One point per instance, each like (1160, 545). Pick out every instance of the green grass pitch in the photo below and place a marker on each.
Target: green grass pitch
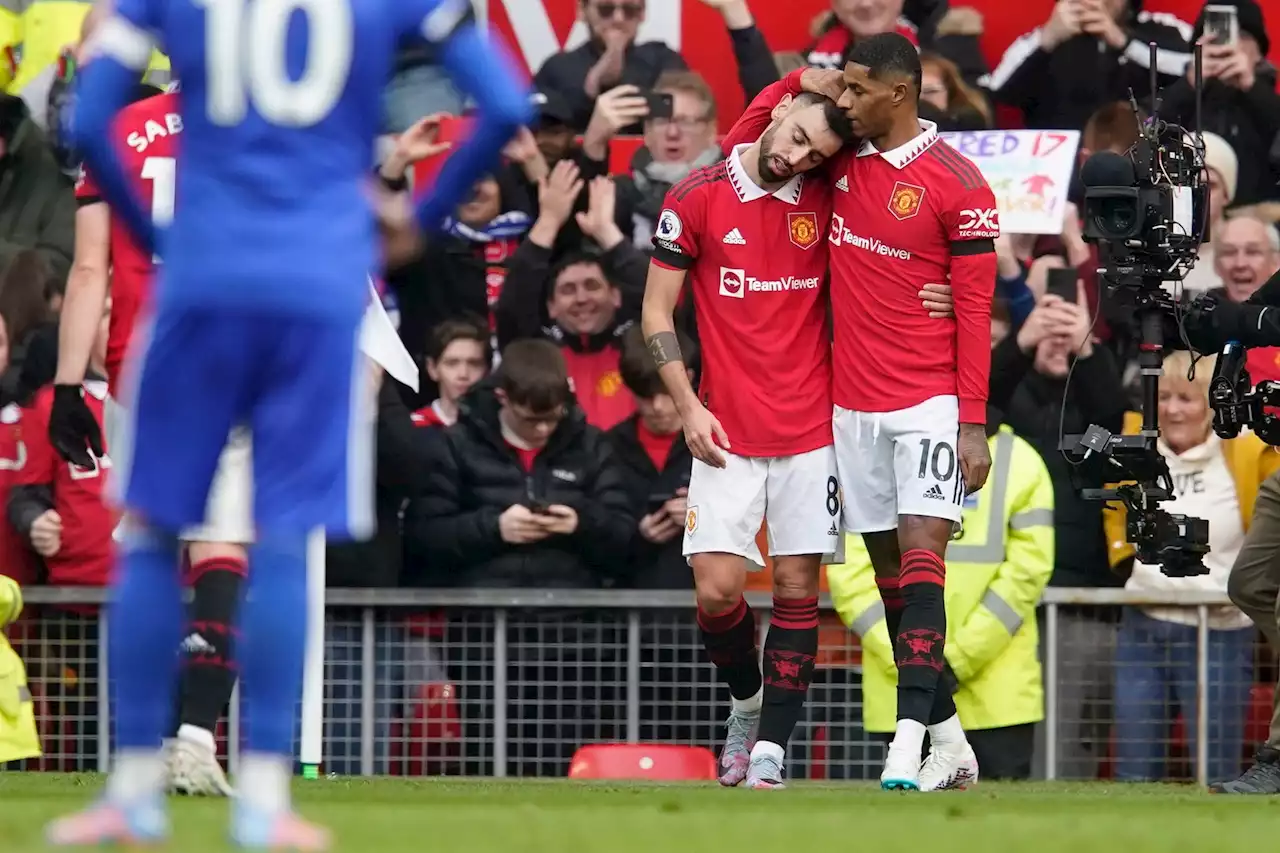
(560, 816)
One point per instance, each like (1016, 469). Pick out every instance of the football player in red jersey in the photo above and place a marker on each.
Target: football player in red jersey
(909, 389)
(748, 232)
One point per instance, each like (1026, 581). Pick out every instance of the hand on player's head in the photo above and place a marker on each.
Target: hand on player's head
(806, 130)
(882, 76)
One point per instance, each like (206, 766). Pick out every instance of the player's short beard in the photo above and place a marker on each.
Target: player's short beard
(766, 145)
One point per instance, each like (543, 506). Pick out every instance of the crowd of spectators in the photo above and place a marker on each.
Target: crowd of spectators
(543, 452)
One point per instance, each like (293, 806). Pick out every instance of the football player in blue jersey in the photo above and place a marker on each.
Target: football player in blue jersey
(256, 307)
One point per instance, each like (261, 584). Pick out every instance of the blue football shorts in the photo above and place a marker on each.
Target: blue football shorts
(298, 383)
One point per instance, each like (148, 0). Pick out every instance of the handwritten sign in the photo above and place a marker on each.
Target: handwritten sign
(1029, 172)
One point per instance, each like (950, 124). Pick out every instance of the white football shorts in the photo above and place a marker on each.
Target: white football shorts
(798, 496)
(899, 463)
(229, 513)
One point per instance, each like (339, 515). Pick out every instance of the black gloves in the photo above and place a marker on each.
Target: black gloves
(73, 430)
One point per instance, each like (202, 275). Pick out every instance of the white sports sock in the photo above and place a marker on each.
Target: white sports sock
(263, 781)
(750, 705)
(765, 748)
(136, 774)
(948, 733)
(909, 737)
(198, 736)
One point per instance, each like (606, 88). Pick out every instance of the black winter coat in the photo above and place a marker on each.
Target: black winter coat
(652, 566)
(453, 526)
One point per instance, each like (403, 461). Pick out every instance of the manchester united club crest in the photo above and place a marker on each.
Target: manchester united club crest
(905, 200)
(803, 228)
(691, 520)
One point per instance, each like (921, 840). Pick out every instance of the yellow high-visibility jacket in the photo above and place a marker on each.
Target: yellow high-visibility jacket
(996, 573)
(37, 31)
(18, 736)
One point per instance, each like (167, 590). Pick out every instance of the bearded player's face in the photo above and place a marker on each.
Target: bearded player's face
(795, 143)
(868, 102)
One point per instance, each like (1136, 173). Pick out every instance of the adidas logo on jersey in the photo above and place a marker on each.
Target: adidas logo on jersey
(843, 184)
(834, 531)
(935, 492)
(735, 238)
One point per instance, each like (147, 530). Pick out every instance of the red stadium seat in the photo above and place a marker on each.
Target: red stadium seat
(621, 150)
(643, 761)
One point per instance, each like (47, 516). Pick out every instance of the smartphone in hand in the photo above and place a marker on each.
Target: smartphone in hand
(661, 104)
(1064, 282)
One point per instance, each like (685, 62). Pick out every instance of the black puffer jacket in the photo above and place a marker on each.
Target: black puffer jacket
(453, 526)
(652, 566)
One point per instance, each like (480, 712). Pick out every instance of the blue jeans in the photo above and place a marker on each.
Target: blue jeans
(418, 92)
(1156, 678)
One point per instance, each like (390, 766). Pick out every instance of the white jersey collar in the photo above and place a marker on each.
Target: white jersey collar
(902, 155)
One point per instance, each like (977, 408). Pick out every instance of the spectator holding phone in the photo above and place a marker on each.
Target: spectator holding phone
(610, 57)
(679, 136)
(523, 492)
(1240, 101)
(656, 464)
(1028, 377)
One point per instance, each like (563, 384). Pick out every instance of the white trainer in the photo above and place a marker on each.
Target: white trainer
(949, 769)
(901, 770)
(193, 770)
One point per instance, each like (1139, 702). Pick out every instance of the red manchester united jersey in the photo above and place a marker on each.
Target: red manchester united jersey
(79, 495)
(919, 214)
(896, 217)
(758, 265)
(16, 557)
(146, 133)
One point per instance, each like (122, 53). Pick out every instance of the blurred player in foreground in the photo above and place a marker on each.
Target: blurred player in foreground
(748, 232)
(257, 306)
(910, 389)
(107, 257)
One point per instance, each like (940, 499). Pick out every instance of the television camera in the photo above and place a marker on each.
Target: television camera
(1146, 211)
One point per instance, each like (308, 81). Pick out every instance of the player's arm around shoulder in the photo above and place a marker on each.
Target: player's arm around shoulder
(857, 600)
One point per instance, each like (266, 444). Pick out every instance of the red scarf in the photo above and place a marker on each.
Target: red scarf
(829, 50)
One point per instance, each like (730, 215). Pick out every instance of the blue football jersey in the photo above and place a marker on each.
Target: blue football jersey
(281, 104)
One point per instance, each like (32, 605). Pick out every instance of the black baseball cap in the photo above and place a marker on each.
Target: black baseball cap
(551, 108)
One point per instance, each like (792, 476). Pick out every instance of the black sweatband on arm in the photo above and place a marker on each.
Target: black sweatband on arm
(665, 348)
(973, 247)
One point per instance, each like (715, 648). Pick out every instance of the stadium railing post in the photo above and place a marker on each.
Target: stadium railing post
(1202, 694)
(1051, 690)
(633, 676)
(311, 742)
(368, 689)
(104, 696)
(500, 693)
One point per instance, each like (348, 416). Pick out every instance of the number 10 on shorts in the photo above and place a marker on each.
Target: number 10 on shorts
(938, 463)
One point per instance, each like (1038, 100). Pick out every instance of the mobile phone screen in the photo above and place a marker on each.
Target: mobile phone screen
(1221, 25)
(1062, 282)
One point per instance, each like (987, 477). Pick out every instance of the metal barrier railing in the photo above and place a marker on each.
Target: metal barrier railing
(510, 682)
